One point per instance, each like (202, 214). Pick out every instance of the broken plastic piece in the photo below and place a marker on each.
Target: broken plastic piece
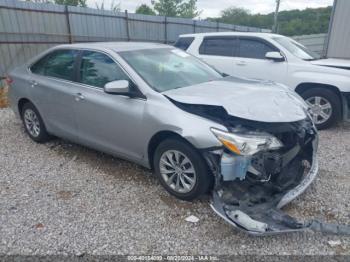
(247, 222)
(192, 219)
(334, 243)
(328, 228)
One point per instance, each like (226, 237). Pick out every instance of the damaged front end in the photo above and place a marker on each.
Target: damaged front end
(260, 171)
(251, 188)
(261, 167)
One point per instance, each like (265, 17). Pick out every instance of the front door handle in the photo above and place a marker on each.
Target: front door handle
(79, 96)
(241, 63)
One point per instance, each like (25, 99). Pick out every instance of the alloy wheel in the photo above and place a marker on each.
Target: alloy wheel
(177, 171)
(321, 109)
(32, 123)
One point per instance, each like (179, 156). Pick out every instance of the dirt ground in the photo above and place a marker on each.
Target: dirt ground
(62, 198)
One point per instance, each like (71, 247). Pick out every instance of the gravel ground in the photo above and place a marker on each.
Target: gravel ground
(62, 198)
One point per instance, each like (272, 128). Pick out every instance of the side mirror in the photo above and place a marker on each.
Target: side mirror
(225, 75)
(120, 87)
(275, 56)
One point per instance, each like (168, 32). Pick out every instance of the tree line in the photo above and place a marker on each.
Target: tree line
(294, 22)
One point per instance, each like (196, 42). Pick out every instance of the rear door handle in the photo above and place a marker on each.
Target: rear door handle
(79, 96)
(33, 83)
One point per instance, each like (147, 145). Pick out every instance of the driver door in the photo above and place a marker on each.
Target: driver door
(250, 61)
(108, 122)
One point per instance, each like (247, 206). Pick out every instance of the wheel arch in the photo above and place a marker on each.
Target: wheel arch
(302, 87)
(158, 138)
(21, 103)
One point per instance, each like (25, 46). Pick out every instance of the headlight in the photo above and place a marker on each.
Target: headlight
(247, 144)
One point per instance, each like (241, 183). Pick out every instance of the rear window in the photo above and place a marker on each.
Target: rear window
(219, 46)
(184, 42)
(59, 64)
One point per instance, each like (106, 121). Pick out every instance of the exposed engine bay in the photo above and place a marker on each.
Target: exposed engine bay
(273, 164)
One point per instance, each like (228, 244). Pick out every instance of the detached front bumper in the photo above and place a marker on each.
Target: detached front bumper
(305, 183)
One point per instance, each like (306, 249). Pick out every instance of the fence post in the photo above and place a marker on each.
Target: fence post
(194, 26)
(217, 26)
(66, 11)
(165, 30)
(127, 25)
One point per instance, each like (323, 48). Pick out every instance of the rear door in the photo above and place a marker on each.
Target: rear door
(109, 122)
(219, 51)
(52, 90)
(250, 60)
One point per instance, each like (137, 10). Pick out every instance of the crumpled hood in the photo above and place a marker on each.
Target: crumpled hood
(244, 98)
(333, 62)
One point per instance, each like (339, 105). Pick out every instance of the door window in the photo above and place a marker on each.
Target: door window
(252, 48)
(219, 46)
(59, 64)
(184, 42)
(98, 69)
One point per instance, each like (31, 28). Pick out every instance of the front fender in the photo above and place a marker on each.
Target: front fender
(341, 82)
(163, 116)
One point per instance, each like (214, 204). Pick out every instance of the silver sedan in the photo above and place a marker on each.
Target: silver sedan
(251, 143)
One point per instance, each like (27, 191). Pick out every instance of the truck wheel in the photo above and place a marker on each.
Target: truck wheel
(325, 106)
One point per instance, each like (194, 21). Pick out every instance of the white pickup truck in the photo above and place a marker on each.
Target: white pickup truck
(323, 83)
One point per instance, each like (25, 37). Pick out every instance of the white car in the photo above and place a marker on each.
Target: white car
(323, 83)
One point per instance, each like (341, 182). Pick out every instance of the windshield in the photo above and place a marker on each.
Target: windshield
(166, 68)
(296, 48)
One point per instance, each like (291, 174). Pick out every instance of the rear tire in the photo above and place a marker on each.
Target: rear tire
(173, 162)
(325, 98)
(34, 124)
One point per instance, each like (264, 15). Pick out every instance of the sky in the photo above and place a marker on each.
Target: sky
(212, 8)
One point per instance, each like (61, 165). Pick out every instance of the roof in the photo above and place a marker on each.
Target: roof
(116, 46)
(232, 34)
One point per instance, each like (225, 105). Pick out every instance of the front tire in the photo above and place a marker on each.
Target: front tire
(33, 123)
(325, 107)
(181, 170)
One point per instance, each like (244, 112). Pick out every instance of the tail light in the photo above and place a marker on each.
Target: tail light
(8, 80)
